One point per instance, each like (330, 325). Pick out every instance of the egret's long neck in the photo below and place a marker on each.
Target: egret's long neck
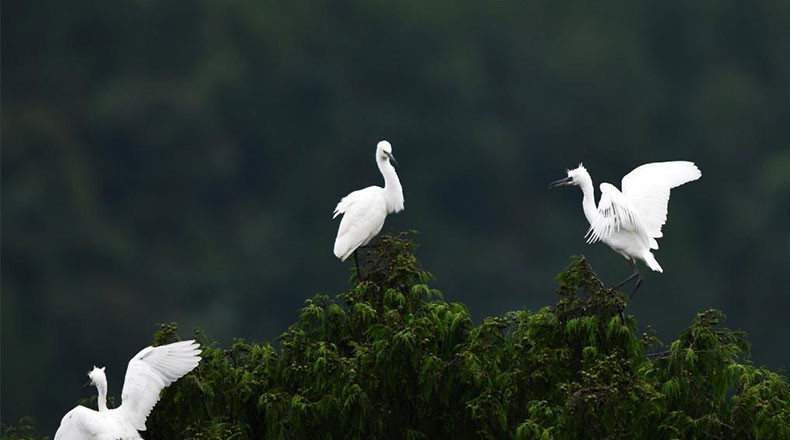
(588, 202)
(101, 386)
(392, 186)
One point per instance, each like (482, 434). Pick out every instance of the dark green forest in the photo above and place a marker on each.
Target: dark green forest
(390, 358)
(179, 161)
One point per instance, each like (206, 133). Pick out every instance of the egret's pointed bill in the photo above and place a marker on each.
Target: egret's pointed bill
(392, 158)
(561, 182)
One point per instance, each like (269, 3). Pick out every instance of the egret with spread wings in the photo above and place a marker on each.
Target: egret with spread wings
(365, 210)
(630, 221)
(148, 373)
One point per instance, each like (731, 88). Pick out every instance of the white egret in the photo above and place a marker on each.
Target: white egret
(148, 373)
(630, 221)
(364, 210)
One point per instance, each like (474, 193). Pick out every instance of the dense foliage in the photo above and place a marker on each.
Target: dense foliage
(391, 359)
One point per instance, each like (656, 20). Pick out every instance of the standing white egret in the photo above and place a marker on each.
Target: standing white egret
(148, 373)
(364, 210)
(630, 221)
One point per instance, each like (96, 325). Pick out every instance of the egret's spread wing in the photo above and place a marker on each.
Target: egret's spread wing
(615, 213)
(363, 218)
(86, 424)
(149, 372)
(647, 187)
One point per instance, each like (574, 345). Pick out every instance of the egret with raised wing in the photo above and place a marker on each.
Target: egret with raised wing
(630, 221)
(148, 373)
(365, 210)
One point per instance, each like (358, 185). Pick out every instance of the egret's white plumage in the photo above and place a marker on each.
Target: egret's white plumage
(147, 374)
(364, 210)
(630, 221)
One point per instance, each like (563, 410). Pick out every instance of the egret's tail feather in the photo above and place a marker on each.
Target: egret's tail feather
(651, 262)
(343, 250)
(339, 253)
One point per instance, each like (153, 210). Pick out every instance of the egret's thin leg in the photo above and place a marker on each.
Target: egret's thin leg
(630, 277)
(637, 274)
(356, 263)
(638, 283)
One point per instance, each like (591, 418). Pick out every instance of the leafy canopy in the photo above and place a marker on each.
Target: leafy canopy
(390, 358)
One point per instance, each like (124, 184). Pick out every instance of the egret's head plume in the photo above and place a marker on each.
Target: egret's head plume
(575, 177)
(97, 376)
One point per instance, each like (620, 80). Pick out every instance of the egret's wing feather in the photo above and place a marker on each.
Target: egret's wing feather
(342, 206)
(149, 372)
(86, 424)
(350, 200)
(647, 187)
(363, 218)
(615, 213)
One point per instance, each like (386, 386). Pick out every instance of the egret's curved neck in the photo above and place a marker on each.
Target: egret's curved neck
(392, 186)
(101, 387)
(588, 202)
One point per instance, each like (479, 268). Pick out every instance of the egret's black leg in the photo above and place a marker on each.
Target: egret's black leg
(636, 274)
(356, 251)
(631, 277)
(638, 282)
(356, 263)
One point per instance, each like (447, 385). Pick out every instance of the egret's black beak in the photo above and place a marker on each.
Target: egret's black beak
(392, 158)
(561, 182)
(87, 384)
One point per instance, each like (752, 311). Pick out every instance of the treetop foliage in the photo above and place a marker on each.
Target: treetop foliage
(390, 358)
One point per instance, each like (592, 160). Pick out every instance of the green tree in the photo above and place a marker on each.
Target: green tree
(390, 358)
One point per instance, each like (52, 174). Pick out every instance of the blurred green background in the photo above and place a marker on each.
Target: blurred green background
(180, 160)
